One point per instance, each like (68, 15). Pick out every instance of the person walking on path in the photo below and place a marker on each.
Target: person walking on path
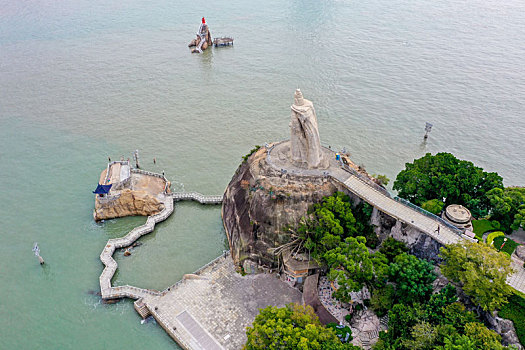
(437, 230)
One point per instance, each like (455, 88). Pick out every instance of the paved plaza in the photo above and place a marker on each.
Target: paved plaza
(211, 310)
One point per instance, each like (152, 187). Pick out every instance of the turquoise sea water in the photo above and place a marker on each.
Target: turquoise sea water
(84, 80)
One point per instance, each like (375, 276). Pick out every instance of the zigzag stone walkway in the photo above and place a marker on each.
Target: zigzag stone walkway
(109, 292)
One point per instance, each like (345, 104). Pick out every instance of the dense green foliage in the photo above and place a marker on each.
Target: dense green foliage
(291, 327)
(413, 277)
(401, 284)
(392, 248)
(515, 311)
(337, 235)
(352, 266)
(444, 177)
(328, 224)
(481, 270)
(509, 246)
(382, 299)
(435, 206)
(483, 225)
(439, 323)
(508, 207)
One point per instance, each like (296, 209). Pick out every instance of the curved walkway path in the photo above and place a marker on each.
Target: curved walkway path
(403, 212)
(109, 292)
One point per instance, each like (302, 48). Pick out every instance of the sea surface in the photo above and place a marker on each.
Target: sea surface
(81, 81)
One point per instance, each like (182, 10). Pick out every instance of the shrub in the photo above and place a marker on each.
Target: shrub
(492, 235)
(496, 225)
(382, 300)
(482, 226)
(392, 248)
(435, 206)
(252, 151)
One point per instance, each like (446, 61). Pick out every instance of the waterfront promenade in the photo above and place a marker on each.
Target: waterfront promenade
(211, 308)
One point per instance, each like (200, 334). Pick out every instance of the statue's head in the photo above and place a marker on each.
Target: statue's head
(298, 97)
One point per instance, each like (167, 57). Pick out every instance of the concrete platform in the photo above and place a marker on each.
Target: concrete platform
(212, 308)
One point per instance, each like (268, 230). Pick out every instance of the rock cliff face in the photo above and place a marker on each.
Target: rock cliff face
(260, 201)
(129, 203)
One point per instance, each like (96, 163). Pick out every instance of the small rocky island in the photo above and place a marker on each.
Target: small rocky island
(125, 191)
(203, 39)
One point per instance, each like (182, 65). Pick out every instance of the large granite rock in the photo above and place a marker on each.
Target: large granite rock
(261, 202)
(129, 203)
(503, 327)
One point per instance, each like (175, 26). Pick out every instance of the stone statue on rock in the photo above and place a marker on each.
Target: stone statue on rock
(305, 144)
(203, 40)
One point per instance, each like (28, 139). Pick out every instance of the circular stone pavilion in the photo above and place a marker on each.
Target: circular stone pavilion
(458, 215)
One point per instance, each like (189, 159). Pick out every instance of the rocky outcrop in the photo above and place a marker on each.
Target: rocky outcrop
(203, 39)
(127, 203)
(260, 202)
(420, 244)
(503, 327)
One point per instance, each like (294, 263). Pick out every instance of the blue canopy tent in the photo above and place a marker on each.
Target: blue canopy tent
(102, 189)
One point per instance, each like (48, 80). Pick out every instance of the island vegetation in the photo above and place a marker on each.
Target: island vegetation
(293, 327)
(339, 236)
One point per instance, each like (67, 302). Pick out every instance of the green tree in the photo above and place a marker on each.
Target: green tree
(483, 337)
(290, 327)
(413, 277)
(435, 206)
(352, 265)
(327, 225)
(437, 303)
(447, 178)
(481, 270)
(506, 204)
(459, 342)
(382, 299)
(519, 218)
(423, 337)
(392, 248)
(457, 316)
(401, 319)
